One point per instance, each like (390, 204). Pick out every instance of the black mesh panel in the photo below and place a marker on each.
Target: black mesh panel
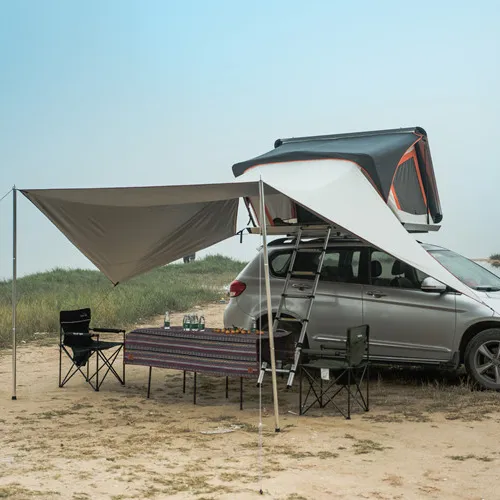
(408, 190)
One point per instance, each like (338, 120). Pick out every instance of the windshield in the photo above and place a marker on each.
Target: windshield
(469, 272)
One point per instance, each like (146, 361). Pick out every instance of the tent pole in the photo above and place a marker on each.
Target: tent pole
(14, 293)
(269, 304)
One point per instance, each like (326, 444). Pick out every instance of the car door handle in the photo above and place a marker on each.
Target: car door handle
(376, 294)
(301, 287)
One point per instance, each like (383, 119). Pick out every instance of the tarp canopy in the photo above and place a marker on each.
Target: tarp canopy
(397, 162)
(128, 231)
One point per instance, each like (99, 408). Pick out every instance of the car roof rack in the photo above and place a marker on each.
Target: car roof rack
(289, 230)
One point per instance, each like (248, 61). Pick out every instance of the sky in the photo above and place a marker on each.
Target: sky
(129, 93)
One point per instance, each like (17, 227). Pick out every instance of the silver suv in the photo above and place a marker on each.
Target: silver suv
(413, 318)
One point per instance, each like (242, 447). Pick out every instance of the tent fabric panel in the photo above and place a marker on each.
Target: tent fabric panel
(405, 217)
(125, 241)
(277, 206)
(426, 169)
(408, 192)
(378, 153)
(339, 193)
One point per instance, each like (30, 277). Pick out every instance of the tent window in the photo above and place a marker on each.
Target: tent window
(408, 189)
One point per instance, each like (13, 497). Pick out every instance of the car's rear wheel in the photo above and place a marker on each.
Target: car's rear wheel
(482, 358)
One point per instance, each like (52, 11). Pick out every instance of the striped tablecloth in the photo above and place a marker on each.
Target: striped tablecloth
(205, 351)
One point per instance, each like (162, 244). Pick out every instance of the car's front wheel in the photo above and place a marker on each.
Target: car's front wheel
(482, 358)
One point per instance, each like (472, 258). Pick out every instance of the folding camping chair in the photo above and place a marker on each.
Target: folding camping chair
(349, 367)
(80, 342)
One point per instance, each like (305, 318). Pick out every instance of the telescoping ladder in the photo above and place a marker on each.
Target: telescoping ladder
(309, 297)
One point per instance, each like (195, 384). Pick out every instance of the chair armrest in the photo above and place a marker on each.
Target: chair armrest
(312, 352)
(330, 353)
(108, 330)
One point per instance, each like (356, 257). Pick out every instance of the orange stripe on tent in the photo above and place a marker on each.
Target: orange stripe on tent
(419, 177)
(393, 191)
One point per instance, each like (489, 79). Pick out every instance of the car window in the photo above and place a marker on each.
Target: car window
(339, 265)
(421, 276)
(386, 270)
(278, 263)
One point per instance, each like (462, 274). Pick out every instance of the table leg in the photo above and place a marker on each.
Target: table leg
(241, 393)
(227, 387)
(123, 359)
(149, 381)
(184, 382)
(194, 391)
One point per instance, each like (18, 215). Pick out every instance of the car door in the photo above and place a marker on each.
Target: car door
(406, 324)
(338, 302)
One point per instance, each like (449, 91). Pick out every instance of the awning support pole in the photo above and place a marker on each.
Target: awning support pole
(14, 293)
(269, 304)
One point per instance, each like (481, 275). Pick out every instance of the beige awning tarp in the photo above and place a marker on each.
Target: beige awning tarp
(129, 231)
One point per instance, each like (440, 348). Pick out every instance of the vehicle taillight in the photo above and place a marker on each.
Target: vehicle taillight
(236, 288)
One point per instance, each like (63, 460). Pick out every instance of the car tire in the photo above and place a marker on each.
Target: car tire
(482, 359)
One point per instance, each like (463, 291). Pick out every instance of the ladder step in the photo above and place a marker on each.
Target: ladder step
(291, 320)
(309, 250)
(278, 370)
(304, 273)
(297, 296)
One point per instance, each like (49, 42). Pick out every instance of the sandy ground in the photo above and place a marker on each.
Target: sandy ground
(421, 439)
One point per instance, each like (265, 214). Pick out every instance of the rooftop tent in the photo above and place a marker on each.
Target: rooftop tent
(397, 163)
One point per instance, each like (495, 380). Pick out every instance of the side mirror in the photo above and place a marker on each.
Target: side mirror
(431, 285)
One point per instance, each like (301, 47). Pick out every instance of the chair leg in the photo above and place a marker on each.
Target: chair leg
(320, 392)
(194, 389)
(227, 387)
(107, 362)
(60, 363)
(97, 372)
(368, 387)
(184, 382)
(72, 370)
(149, 381)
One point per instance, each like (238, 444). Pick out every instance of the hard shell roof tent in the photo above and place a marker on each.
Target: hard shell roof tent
(397, 162)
